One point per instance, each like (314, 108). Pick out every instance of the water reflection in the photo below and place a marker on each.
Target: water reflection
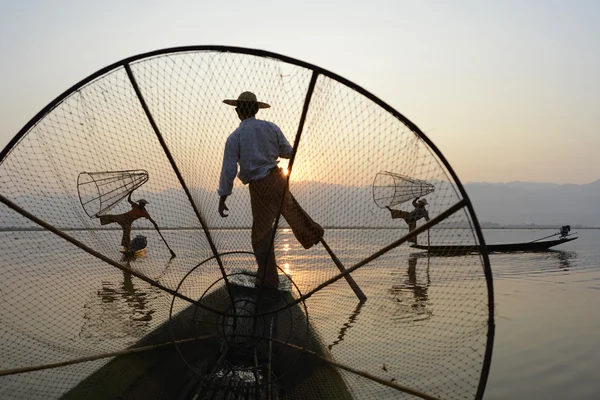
(564, 258)
(120, 310)
(135, 299)
(411, 294)
(538, 264)
(347, 325)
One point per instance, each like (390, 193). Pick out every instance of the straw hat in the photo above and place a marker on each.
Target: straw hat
(143, 201)
(423, 201)
(246, 97)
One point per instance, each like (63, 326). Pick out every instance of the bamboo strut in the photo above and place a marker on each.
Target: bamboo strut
(101, 256)
(434, 221)
(366, 375)
(177, 172)
(32, 368)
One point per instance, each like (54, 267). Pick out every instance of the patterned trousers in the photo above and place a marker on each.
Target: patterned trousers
(265, 198)
(125, 221)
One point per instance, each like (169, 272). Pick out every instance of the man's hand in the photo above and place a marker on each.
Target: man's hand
(223, 207)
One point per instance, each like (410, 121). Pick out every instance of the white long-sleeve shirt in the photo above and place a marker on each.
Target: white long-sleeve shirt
(255, 145)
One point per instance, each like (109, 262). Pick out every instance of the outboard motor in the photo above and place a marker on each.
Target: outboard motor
(564, 230)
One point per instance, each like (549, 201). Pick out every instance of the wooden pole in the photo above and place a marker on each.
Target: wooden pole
(357, 291)
(363, 374)
(32, 368)
(428, 242)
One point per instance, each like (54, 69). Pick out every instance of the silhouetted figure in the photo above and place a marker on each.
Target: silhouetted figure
(412, 217)
(138, 210)
(256, 146)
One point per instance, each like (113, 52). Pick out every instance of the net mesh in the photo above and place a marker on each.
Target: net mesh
(390, 189)
(70, 320)
(99, 192)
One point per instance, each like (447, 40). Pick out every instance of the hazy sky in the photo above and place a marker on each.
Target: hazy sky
(508, 90)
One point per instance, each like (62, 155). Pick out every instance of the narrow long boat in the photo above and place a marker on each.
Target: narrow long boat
(494, 248)
(244, 355)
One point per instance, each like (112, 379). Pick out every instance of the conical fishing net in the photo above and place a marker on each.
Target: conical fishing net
(99, 192)
(79, 321)
(390, 189)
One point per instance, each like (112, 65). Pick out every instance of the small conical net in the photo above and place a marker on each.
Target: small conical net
(390, 189)
(78, 321)
(99, 192)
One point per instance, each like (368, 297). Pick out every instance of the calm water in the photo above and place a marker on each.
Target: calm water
(546, 344)
(547, 320)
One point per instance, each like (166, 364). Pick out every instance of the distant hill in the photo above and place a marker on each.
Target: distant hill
(524, 203)
(496, 204)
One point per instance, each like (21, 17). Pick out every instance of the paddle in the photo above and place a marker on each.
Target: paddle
(161, 236)
(545, 237)
(564, 232)
(357, 291)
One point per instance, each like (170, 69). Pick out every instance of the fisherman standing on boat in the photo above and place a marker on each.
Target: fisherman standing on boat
(412, 217)
(138, 210)
(256, 146)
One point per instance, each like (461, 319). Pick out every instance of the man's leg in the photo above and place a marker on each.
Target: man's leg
(126, 240)
(306, 231)
(265, 258)
(411, 227)
(108, 219)
(265, 200)
(399, 214)
(405, 215)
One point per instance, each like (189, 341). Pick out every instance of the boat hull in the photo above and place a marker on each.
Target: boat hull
(189, 371)
(137, 249)
(493, 248)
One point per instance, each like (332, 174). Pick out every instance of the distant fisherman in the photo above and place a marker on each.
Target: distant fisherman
(256, 146)
(138, 210)
(412, 217)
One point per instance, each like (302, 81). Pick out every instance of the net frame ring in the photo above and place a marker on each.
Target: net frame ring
(419, 188)
(377, 199)
(227, 321)
(130, 184)
(317, 72)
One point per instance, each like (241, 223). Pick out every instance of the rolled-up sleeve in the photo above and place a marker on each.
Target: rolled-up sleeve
(229, 168)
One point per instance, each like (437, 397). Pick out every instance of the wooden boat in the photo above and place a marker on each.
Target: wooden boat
(494, 248)
(240, 356)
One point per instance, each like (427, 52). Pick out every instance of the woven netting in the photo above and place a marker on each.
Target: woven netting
(72, 309)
